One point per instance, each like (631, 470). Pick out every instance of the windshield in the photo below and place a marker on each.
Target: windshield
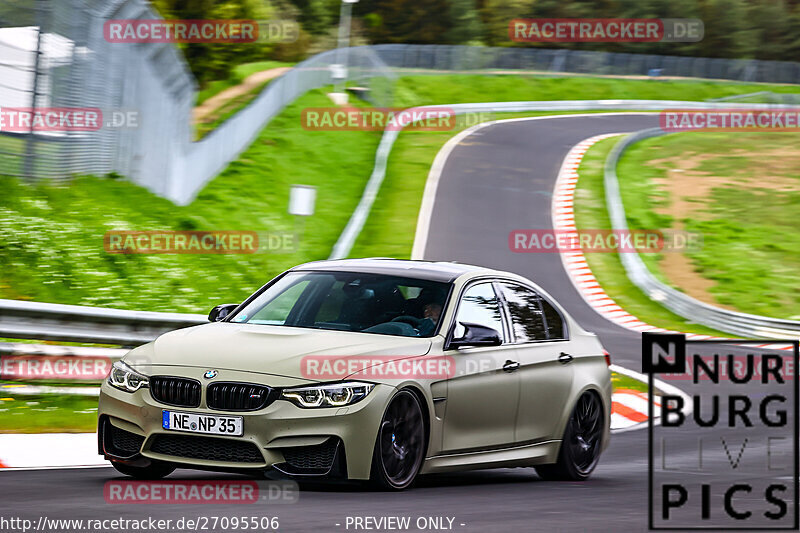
(348, 301)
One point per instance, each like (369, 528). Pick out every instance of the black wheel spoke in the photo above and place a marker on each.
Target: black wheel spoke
(586, 431)
(401, 440)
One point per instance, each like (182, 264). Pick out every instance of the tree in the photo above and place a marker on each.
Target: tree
(215, 61)
(772, 22)
(465, 25)
(496, 16)
(727, 29)
(407, 21)
(317, 16)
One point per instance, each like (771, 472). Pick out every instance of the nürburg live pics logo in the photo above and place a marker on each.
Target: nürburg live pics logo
(723, 450)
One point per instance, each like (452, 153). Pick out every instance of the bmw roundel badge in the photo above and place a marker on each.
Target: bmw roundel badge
(210, 374)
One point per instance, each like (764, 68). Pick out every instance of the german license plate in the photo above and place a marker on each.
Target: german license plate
(197, 423)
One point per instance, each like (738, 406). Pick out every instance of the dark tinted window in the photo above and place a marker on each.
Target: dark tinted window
(525, 309)
(555, 324)
(479, 305)
(532, 318)
(349, 301)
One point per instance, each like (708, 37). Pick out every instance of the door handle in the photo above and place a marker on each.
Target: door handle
(511, 366)
(564, 358)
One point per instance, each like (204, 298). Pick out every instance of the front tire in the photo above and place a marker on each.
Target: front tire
(400, 445)
(581, 444)
(156, 470)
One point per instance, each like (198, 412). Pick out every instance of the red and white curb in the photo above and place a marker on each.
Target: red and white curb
(575, 262)
(629, 408)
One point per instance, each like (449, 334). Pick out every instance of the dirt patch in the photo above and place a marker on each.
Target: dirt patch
(689, 190)
(250, 83)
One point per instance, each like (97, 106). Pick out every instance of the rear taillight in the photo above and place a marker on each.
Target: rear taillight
(608, 358)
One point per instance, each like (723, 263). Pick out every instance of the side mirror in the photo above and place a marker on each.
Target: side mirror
(476, 335)
(221, 311)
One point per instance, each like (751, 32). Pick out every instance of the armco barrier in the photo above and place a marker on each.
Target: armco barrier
(732, 322)
(742, 324)
(80, 68)
(74, 323)
(71, 323)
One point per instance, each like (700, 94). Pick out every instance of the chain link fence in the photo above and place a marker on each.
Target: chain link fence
(54, 54)
(63, 61)
(471, 58)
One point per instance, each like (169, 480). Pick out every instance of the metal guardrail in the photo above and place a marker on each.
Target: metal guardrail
(728, 321)
(72, 323)
(75, 323)
(78, 67)
(26, 366)
(438, 57)
(742, 324)
(357, 220)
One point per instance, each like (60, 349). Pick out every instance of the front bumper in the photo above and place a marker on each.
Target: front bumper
(283, 434)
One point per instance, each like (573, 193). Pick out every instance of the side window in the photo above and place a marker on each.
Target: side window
(479, 305)
(527, 316)
(532, 317)
(555, 324)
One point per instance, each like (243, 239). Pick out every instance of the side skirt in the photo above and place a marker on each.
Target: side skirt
(524, 455)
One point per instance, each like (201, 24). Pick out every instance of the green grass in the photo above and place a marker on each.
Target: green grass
(391, 225)
(459, 88)
(622, 382)
(240, 72)
(226, 111)
(591, 213)
(47, 413)
(751, 246)
(234, 105)
(51, 234)
(390, 228)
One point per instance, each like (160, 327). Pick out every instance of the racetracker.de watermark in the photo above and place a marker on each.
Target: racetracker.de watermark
(47, 367)
(198, 242)
(50, 119)
(613, 30)
(333, 367)
(603, 241)
(388, 119)
(730, 120)
(65, 119)
(180, 31)
(200, 492)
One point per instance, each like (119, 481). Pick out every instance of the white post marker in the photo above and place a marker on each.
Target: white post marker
(301, 204)
(301, 200)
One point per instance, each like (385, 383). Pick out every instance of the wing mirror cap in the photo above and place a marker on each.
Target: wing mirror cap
(220, 312)
(476, 335)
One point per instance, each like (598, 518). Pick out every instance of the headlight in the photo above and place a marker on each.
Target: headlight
(335, 395)
(125, 378)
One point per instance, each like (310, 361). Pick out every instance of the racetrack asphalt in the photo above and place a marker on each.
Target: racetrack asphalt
(499, 179)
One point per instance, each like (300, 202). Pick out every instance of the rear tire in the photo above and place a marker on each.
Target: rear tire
(581, 444)
(400, 445)
(156, 470)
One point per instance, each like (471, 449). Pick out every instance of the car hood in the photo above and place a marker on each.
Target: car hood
(274, 350)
